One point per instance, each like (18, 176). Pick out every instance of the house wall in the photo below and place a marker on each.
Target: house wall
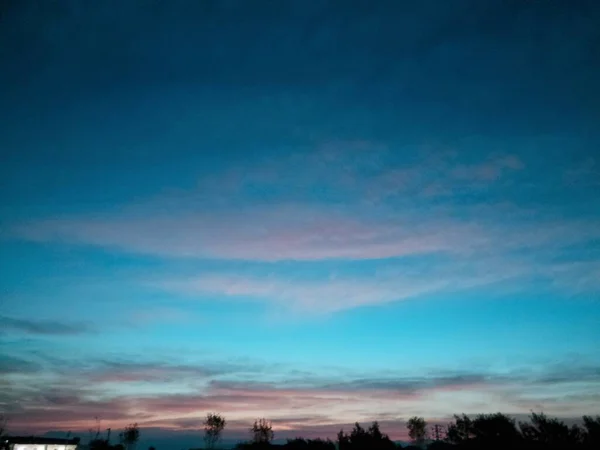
(61, 447)
(28, 447)
(42, 447)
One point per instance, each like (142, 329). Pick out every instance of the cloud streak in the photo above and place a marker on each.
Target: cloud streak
(335, 291)
(329, 295)
(263, 234)
(312, 402)
(369, 207)
(15, 365)
(372, 209)
(44, 327)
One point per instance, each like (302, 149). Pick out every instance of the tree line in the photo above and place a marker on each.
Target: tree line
(483, 431)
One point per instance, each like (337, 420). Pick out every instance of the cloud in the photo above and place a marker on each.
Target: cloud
(122, 372)
(300, 232)
(470, 244)
(469, 247)
(238, 401)
(341, 200)
(44, 327)
(14, 365)
(487, 171)
(332, 290)
(157, 371)
(569, 374)
(70, 413)
(369, 206)
(263, 233)
(332, 294)
(309, 402)
(151, 315)
(398, 387)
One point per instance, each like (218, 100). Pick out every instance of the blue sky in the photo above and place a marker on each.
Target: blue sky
(315, 212)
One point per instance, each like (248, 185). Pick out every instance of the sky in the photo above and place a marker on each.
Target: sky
(318, 212)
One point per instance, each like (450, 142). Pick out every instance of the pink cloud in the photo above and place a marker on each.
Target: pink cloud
(220, 220)
(288, 407)
(296, 232)
(391, 283)
(323, 296)
(474, 254)
(316, 406)
(292, 232)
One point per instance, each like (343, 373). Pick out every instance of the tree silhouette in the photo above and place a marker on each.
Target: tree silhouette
(484, 431)
(374, 432)
(3, 422)
(95, 434)
(130, 436)
(495, 429)
(359, 438)
(417, 429)
(592, 431)
(550, 431)
(309, 444)
(213, 428)
(343, 440)
(460, 431)
(262, 431)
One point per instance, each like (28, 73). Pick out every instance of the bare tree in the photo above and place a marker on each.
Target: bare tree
(417, 429)
(262, 431)
(3, 422)
(213, 428)
(95, 433)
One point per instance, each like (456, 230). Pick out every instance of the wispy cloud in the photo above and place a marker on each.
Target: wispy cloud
(332, 294)
(295, 232)
(487, 171)
(263, 233)
(369, 206)
(269, 211)
(156, 372)
(372, 209)
(293, 402)
(332, 291)
(44, 327)
(160, 315)
(15, 365)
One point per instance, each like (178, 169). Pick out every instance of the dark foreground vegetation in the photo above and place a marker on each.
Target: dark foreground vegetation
(484, 431)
